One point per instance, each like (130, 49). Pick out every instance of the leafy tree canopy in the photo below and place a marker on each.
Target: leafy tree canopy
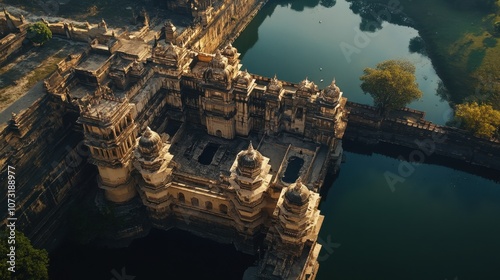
(392, 84)
(39, 33)
(30, 263)
(480, 119)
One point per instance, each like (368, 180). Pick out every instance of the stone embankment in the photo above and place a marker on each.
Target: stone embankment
(408, 128)
(47, 152)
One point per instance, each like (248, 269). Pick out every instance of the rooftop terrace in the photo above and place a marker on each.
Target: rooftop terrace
(200, 154)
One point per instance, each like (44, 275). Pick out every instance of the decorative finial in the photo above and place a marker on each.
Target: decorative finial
(148, 132)
(250, 147)
(298, 183)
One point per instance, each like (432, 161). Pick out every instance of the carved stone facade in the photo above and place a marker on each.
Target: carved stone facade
(201, 144)
(238, 158)
(206, 175)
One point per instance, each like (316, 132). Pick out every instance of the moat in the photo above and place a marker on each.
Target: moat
(440, 223)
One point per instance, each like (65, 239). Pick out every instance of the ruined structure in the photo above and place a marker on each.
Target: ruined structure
(12, 34)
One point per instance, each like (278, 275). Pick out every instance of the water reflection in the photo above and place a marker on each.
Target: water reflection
(374, 14)
(251, 36)
(322, 43)
(440, 222)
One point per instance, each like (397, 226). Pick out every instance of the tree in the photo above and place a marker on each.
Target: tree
(392, 84)
(30, 263)
(39, 33)
(480, 119)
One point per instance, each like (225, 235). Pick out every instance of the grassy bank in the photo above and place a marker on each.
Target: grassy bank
(462, 45)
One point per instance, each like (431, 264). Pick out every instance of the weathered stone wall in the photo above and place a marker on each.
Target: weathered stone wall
(49, 158)
(408, 130)
(85, 33)
(228, 21)
(11, 44)
(12, 34)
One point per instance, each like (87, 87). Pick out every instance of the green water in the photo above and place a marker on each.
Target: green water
(287, 39)
(440, 223)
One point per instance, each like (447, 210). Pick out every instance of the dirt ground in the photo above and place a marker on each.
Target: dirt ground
(21, 72)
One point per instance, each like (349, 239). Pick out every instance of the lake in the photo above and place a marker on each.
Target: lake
(440, 223)
(288, 40)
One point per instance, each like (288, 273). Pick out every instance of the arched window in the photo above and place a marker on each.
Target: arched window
(223, 208)
(180, 197)
(195, 201)
(208, 205)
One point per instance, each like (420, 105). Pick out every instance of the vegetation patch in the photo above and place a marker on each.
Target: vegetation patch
(475, 59)
(480, 119)
(39, 33)
(22, 73)
(392, 84)
(460, 37)
(490, 42)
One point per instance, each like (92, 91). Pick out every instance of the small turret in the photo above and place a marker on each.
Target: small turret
(150, 144)
(297, 194)
(249, 162)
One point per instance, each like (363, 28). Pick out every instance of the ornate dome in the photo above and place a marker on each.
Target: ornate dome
(219, 61)
(150, 143)
(297, 193)
(307, 85)
(275, 84)
(229, 50)
(244, 78)
(249, 158)
(218, 70)
(216, 74)
(332, 92)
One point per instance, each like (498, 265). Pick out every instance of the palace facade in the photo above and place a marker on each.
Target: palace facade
(186, 136)
(207, 147)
